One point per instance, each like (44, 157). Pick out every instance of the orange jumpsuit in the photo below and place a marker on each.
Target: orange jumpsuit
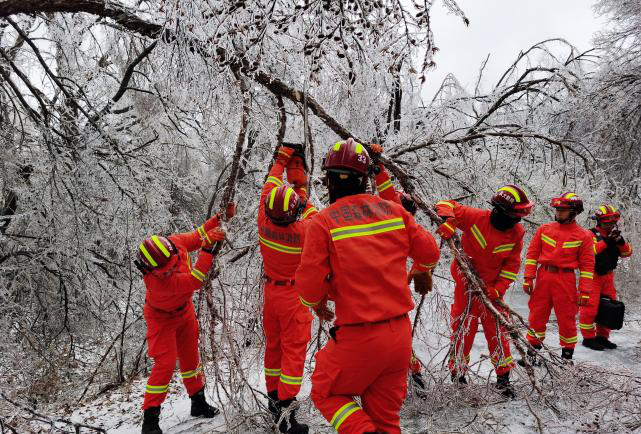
(363, 241)
(496, 256)
(605, 263)
(172, 327)
(287, 324)
(559, 249)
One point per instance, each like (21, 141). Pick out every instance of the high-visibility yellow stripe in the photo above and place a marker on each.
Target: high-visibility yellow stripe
(272, 372)
(343, 413)
(504, 248)
(569, 196)
(191, 374)
(570, 340)
(446, 203)
(274, 180)
(384, 186)
(310, 210)
(539, 335)
(587, 326)
(155, 390)
(198, 275)
(479, 236)
(272, 195)
(144, 251)
(513, 191)
(508, 275)
(280, 247)
(160, 245)
(603, 210)
(359, 148)
(288, 379)
(548, 240)
(337, 146)
(586, 274)
(288, 194)
(428, 266)
(307, 303)
(572, 244)
(367, 229)
(530, 262)
(502, 362)
(451, 228)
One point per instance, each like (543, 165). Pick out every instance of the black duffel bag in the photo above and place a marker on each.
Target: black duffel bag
(610, 313)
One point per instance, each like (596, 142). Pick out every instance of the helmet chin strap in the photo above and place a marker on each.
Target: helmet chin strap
(566, 221)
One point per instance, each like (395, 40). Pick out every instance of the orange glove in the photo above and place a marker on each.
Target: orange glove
(211, 237)
(376, 149)
(284, 154)
(583, 299)
(528, 285)
(296, 173)
(447, 229)
(422, 282)
(492, 293)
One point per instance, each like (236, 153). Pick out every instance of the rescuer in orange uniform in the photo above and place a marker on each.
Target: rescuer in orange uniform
(386, 190)
(286, 323)
(363, 242)
(493, 241)
(556, 250)
(172, 327)
(609, 247)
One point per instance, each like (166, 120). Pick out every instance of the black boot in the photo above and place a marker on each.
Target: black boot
(531, 357)
(504, 387)
(459, 380)
(199, 406)
(272, 404)
(593, 344)
(566, 353)
(607, 344)
(419, 385)
(150, 419)
(289, 424)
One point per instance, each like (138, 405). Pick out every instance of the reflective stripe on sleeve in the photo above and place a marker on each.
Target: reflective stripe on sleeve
(508, 275)
(198, 274)
(586, 274)
(307, 303)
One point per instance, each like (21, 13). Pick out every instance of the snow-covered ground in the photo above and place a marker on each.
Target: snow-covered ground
(475, 408)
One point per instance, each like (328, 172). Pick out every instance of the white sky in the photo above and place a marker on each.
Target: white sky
(502, 28)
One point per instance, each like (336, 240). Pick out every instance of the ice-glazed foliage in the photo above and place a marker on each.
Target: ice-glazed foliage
(122, 119)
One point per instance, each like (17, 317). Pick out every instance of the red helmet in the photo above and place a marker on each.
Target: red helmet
(282, 205)
(347, 156)
(512, 200)
(568, 200)
(155, 252)
(607, 214)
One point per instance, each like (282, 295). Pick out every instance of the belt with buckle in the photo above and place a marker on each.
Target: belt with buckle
(555, 269)
(279, 282)
(166, 311)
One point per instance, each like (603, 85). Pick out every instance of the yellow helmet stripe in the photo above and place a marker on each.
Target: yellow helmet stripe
(337, 146)
(147, 255)
(288, 194)
(603, 210)
(612, 208)
(569, 195)
(513, 191)
(359, 148)
(160, 245)
(271, 198)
